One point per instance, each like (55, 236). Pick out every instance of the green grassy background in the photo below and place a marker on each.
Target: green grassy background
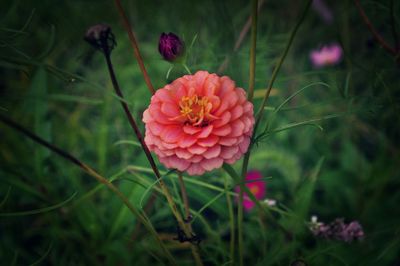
(53, 83)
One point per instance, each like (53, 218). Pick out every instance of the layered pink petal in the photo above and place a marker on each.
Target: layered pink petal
(198, 122)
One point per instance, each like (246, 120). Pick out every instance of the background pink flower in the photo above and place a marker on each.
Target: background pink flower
(258, 188)
(198, 122)
(327, 55)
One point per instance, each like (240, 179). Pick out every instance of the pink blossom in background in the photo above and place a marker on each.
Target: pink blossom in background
(327, 55)
(258, 188)
(198, 122)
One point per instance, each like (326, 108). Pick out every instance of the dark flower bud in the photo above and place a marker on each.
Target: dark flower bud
(101, 37)
(170, 46)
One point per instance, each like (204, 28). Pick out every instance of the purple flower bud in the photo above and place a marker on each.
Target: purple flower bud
(170, 46)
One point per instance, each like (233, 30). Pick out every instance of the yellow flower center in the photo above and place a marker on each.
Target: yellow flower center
(255, 190)
(196, 109)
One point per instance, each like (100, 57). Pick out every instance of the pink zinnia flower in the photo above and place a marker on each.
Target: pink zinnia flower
(198, 122)
(258, 188)
(327, 55)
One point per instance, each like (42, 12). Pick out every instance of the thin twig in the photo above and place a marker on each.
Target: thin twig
(134, 44)
(185, 227)
(239, 41)
(147, 209)
(394, 28)
(184, 196)
(260, 114)
(231, 220)
(376, 35)
(253, 46)
(92, 173)
(250, 93)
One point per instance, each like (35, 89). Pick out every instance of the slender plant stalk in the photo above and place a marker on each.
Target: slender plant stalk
(258, 119)
(239, 40)
(232, 173)
(252, 70)
(135, 46)
(184, 196)
(185, 227)
(94, 174)
(250, 94)
(231, 221)
(147, 209)
(260, 112)
(376, 35)
(185, 200)
(394, 28)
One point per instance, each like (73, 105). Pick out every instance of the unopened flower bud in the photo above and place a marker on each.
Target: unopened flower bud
(170, 46)
(101, 37)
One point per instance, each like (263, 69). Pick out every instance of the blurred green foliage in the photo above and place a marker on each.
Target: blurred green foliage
(53, 83)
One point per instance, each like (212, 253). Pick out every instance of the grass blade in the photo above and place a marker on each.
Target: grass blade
(39, 211)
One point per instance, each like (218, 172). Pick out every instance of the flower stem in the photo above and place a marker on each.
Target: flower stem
(280, 62)
(167, 194)
(258, 119)
(250, 94)
(393, 24)
(231, 221)
(185, 199)
(184, 196)
(239, 40)
(376, 35)
(94, 174)
(135, 46)
(254, 4)
(240, 223)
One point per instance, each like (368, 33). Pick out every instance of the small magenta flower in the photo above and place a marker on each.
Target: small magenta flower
(327, 55)
(170, 46)
(258, 188)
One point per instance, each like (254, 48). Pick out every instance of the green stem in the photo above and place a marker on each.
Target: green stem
(271, 83)
(184, 196)
(185, 200)
(281, 60)
(240, 223)
(237, 179)
(253, 47)
(231, 220)
(94, 174)
(393, 24)
(250, 94)
(258, 119)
